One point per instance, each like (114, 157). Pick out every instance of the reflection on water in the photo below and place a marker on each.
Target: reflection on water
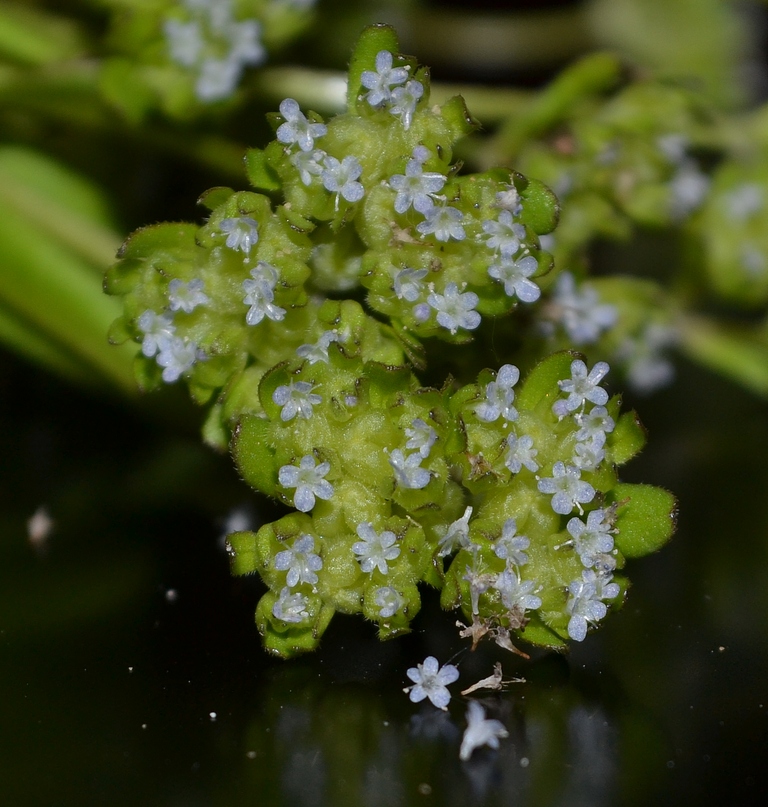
(666, 705)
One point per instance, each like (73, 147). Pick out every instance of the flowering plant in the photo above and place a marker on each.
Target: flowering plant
(300, 312)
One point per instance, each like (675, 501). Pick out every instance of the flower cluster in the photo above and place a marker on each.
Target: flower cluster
(502, 493)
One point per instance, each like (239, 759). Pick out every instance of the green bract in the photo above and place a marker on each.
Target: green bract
(299, 314)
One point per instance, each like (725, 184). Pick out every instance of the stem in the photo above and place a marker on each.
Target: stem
(737, 353)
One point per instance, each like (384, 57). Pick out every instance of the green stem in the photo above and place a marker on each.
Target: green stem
(737, 353)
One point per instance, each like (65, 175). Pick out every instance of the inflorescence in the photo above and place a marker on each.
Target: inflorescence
(503, 493)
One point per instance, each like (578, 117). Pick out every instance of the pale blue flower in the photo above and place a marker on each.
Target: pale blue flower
(289, 607)
(520, 452)
(567, 488)
(456, 535)
(454, 309)
(408, 470)
(375, 549)
(308, 479)
(296, 128)
(296, 398)
(242, 233)
(403, 101)
(341, 178)
(388, 600)
(499, 395)
(380, 82)
(444, 222)
(509, 546)
(514, 275)
(157, 328)
(186, 297)
(300, 561)
(431, 681)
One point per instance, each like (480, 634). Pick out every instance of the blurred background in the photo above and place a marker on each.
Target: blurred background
(130, 667)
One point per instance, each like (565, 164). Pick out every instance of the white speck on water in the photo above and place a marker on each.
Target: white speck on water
(130, 669)
(171, 595)
(144, 725)
(524, 762)
(212, 715)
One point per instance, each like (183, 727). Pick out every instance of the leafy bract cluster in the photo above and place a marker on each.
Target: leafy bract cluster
(505, 497)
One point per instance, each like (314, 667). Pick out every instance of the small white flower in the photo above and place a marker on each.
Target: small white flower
(408, 284)
(510, 546)
(520, 452)
(687, 189)
(309, 164)
(157, 328)
(454, 309)
(568, 489)
(499, 395)
(296, 398)
(300, 561)
(308, 481)
(593, 539)
(242, 233)
(245, 41)
(415, 188)
(185, 41)
(297, 129)
(509, 199)
(404, 100)
(260, 294)
(421, 436)
(186, 296)
(480, 731)
(515, 593)
(504, 235)
(175, 356)
(580, 311)
(431, 681)
(744, 201)
(444, 222)
(408, 470)
(585, 602)
(588, 455)
(217, 80)
(341, 178)
(388, 600)
(378, 83)
(646, 368)
(456, 535)
(290, 607)
(319, 350)
(594, 425)
(582, 387)
(375, 549)
(514, 275)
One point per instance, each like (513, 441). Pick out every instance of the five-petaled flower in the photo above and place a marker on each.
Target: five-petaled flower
(499, 395)
(520, 452)
(582, 387)
(296, 398)
(593, 539)
(242, 233)
(509, 546)
(416, 187)
(514, 275)
(568, 489)
(297, 129)
(308, 479)
(380, 82)
(444, 222)
(408, 470)
(259, 291)
(431, 681)
(585, 602)
(455, 309)
(388, 600)
(186, 297)
(375, 549)
(300, 561)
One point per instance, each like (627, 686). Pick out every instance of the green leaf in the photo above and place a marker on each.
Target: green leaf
(628, 438)
(260, 174)
(375, 38)
(214, 197)
(254, 458)
(542, 636)
(646, 517)
(541, 382)
(245, 557)
(541, 209)
(146, 242)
